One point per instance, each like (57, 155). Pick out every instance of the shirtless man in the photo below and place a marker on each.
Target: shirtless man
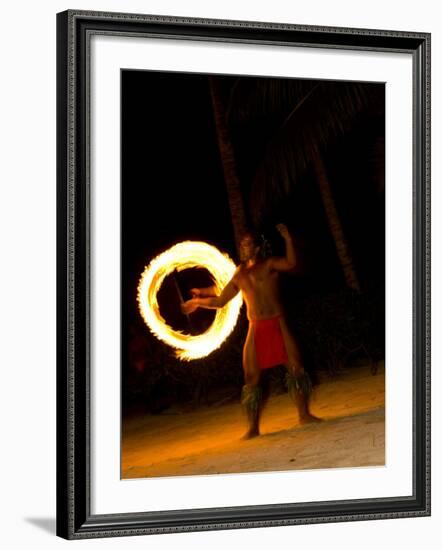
(269, 341)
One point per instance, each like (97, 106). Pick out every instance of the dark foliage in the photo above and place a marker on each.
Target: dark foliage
(156, 379)
(336, 328)
(333, 328)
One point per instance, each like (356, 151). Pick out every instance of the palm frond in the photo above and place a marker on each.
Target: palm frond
(253, 98)
(327, 111)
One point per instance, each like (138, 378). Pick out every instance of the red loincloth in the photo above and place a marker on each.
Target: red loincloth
(269, 342)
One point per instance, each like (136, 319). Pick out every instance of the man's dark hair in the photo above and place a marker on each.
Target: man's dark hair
(259, 239)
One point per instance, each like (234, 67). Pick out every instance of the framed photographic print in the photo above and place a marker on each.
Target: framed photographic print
(243, 274)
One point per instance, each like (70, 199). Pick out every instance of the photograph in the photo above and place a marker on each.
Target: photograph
(252, 274)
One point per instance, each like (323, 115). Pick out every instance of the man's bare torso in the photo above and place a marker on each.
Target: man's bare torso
(260, 289)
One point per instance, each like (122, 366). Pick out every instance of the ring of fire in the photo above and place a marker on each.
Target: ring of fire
(182, 256)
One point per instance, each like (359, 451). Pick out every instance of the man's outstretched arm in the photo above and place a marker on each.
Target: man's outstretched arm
(287, 262)
(205, 292)
(212, 302)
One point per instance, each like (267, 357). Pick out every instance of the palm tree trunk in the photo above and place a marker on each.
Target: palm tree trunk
(236, 202)
(335, 223)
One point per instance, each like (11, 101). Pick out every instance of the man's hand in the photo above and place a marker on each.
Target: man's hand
(288, 261)
(190, 306)
(284, 232)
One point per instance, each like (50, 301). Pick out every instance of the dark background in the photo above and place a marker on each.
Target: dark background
(173, 189)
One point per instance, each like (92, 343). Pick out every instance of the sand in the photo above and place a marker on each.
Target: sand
(207, 440)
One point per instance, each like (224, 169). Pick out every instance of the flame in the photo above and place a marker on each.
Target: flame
(181, 256)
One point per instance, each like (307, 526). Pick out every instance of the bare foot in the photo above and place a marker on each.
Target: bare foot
(309, 418)
(250, 434)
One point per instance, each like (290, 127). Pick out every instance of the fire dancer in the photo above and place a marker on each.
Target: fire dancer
(269, 342)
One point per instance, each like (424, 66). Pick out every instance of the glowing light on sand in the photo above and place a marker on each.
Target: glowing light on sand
(181, 256)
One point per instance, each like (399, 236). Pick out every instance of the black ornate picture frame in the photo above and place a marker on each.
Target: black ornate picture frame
(74, 517)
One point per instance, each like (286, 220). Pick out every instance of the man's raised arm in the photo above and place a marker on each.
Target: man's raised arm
(287, 262)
